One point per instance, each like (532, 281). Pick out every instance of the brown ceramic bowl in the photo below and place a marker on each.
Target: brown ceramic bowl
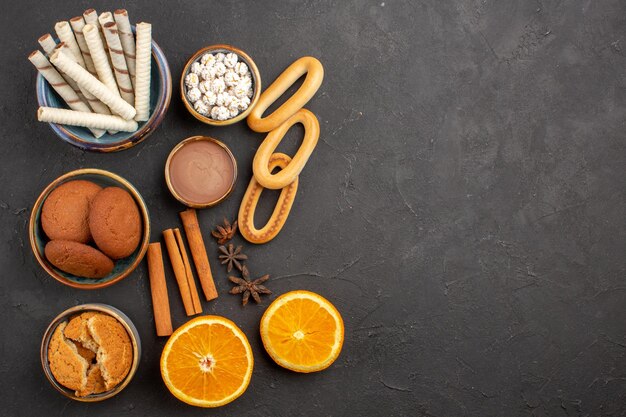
(102, 308)
(256, 83)
(191, 203)
(123, 267)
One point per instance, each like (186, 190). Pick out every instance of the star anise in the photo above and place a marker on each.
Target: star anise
(226, 232)
(249, 288)
(232, 256)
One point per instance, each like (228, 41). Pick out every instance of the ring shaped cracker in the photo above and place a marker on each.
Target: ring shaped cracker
(280, 213)
(314, 75)
(261, 166)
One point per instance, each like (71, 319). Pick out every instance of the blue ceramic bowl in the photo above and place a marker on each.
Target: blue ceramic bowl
(100, 308)
(160, 95)
(123, 267)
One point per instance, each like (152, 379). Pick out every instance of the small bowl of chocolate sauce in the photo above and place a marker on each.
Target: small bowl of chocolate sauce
(201, 172)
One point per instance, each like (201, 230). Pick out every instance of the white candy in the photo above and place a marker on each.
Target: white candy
(231, 78)
(250, 92)
(220, 113)
(219, 57)
(244, 103)
(194, 94)
(233, 103)
(201, 107)
(241, 90)
(230, 60)
(218, 85)
(210, 98)
(220, 69)
(220, 98)
(205, 73)
(204, 86)
(191, 80)
(207, 59)
(196, 68)
(233, 112)
(241, 68)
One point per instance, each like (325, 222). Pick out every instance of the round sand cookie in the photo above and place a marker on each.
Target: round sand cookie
(66, 365)
(115, 222)
(65, 212)
(115, 351)
(78, 259)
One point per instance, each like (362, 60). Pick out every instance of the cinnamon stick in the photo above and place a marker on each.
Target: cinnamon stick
(198, 253)
(197, 307)
(158, 288)
(179, 271)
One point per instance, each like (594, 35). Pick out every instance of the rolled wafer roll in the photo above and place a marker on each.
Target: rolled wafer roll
(93, 102)
(127, 38)
(91, 120)
(64, 31)
(142, 81)
(48, 44)
(91, 17)
(99, 56)
(119, 63)
(60, 86)
(92, 84)
(78, 23)
(105, 17)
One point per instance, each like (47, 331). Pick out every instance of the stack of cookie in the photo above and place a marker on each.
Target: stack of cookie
(80, 212)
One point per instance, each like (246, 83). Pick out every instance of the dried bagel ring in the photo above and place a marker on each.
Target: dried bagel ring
(314, 75)
(260, 165)
(280, 213)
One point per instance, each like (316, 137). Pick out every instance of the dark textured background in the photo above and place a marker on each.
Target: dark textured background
(464, 208)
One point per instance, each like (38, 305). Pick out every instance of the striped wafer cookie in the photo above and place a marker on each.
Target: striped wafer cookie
(78, 23)
(142, 83)
(119, 63)
(87, 81)
(48, 44)
(60, 86)
(127, 39)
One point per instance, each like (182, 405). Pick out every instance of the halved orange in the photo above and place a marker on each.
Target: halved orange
(302, 331)
(207, 362)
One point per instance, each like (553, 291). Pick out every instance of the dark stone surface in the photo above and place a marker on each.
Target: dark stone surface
(464, 208)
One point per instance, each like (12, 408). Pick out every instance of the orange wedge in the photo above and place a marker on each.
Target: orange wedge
(207, 362)
(302, 331)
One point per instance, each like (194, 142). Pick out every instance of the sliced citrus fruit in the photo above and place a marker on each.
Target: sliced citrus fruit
(302, 331)
(207, 362)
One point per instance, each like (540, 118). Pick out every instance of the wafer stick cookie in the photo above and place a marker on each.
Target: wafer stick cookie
(93, 85)
(119, 63)
(142, 82)
(91, 18)
(99, 56)
(48, 44)
(64, 31)
(60, 86)
(94, 103)
(78, 23)
(84, 119)
(127, 38)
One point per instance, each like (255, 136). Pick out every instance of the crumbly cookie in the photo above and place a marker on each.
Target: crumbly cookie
(66, 365)
(95, 382)
(115, 351)
(78, 259)
(77, 331)
(65, 212)
(115, 222)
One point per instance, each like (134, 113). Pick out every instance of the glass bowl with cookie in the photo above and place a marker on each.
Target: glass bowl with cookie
(220, 85)
(89, 228)
(90, 352)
